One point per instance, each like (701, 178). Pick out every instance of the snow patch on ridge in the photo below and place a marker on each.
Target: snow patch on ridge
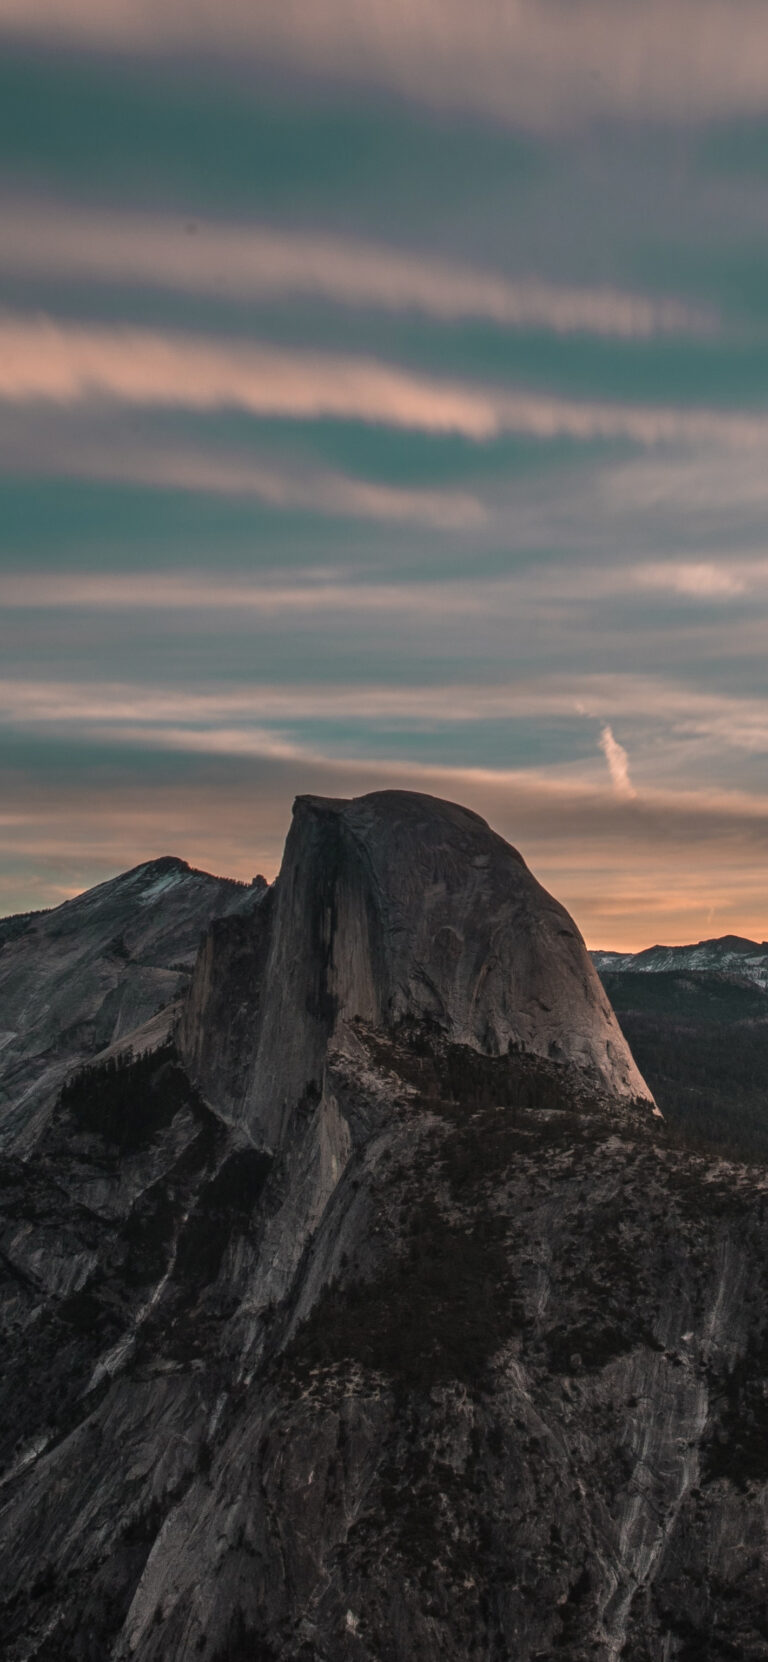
(741, 959)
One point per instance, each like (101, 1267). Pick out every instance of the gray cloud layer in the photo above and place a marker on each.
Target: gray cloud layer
(543, 63)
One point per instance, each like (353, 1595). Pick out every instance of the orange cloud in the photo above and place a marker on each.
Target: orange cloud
(702, 579)
(69, 364)
(41, 360)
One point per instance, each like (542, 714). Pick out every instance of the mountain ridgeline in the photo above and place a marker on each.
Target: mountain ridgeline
(358, 1306)
(696, 1018)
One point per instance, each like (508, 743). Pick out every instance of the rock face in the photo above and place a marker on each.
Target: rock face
(78, 979)
(360, 1336)
(397, 909)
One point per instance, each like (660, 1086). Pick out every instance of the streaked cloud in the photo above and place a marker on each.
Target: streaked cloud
(42, 360)
(664, 706)
(257, 262)
(538, 62)
(313, 591)
(712, 484)
(338, 590)
(618, 764)
(590, 697)
(702, 580)
(124, 458)
(67, 364)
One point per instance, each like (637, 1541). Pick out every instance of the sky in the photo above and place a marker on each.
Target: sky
(384, 402)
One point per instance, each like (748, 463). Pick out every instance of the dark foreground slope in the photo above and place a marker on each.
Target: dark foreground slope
(701, 1039)
(465, 1360)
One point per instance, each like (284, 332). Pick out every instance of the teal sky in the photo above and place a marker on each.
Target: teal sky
(384, 401)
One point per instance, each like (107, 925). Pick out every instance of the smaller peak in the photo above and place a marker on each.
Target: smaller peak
(732, 943)
(158, 868)
(714, 944)
(165, 869)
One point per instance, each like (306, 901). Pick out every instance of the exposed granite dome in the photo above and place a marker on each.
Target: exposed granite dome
(398, 909)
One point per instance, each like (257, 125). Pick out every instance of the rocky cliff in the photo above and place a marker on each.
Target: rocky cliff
(397, 911)
(382, 1320)
(75, 980)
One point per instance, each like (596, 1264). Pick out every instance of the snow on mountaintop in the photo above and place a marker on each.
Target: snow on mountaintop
(731, 955)
(160, 884)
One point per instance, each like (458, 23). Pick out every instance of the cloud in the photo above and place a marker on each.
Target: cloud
(54, 449)
(64, 364)
(308, 591)
(69, 364)
(715, 484)
(335, 590)
(258, 262)
(618, 764)
(537, 63)
(312, 591)
(700, 580)
(664, 705)
(56, 702)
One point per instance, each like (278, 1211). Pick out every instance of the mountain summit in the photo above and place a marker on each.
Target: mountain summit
(92, 972)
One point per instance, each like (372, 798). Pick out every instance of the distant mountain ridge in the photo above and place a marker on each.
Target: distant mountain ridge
(731, 955)
(696, 1018)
